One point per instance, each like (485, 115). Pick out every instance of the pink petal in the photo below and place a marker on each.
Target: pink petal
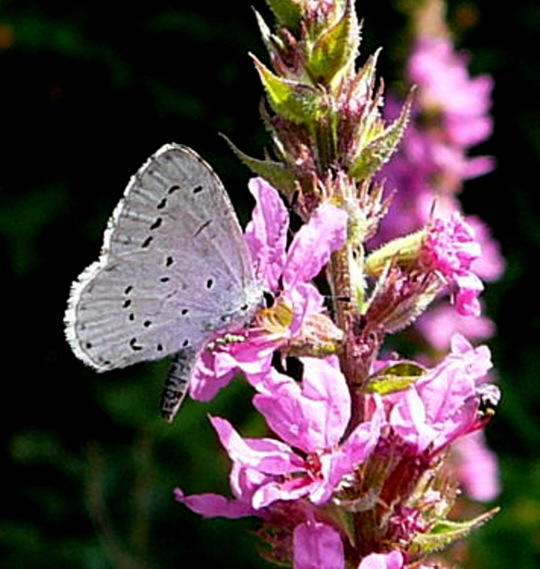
(444, 390)
(245, 481)
(265, 455)
(440, 323)
(479, 166)
(478, 468)
(311, 247)
(314, 417)
(266, 233)
(273, 491)
(317, 545)
(214, 505)
(408, 419)
(469, 288)
(393, 560)
(306, 301)
(491, 265)
(215, 369)
(361, 442)
(323, 382)
(211, 374)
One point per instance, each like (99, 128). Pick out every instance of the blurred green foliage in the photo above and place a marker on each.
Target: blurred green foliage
(88, 91)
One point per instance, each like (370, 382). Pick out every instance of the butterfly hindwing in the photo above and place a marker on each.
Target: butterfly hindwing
(173, 269)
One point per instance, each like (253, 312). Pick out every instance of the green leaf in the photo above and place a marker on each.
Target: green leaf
(277, 174)
(287, 12)
(377, 152)
(335, 48)
(266, 34)
(396, 377)
(292, 100)
(402, 250)
(445, 532)
(405, 369)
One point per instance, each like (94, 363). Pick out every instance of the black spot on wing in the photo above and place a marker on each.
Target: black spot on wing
(134, 346)
(156, 223)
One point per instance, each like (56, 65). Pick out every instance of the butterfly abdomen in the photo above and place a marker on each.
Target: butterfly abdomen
(177, 382)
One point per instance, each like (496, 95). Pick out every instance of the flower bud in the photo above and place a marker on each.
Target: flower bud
(295, 101)
(287, 12)
(336, 48)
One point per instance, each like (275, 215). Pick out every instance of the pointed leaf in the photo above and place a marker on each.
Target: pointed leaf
(298, 102)
(266, 33)
(287, 12)
(402, 250)
(275, 173)
(444, 532)
(396, 377)
(389, 384)
(377, 152)
(336, 47)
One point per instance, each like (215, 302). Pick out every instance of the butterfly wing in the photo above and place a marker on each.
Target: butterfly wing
(174, 268)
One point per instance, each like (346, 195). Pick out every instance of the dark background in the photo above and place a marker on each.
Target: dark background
(87, 92)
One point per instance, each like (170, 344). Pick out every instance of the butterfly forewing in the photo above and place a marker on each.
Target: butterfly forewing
(173, 269)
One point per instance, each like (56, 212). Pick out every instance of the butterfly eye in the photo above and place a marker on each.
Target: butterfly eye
(268, 299)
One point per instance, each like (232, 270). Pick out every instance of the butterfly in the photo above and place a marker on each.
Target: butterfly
(174, 271)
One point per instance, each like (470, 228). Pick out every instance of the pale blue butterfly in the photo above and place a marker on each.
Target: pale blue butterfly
(174, 269)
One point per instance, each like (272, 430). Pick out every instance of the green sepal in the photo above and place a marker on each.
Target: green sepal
(396, 377)
(379, 150)
(288, 13)
(266, 34)
(336, 47)
(403, 250)
(295, 101)
(445, 532)
(275, 173)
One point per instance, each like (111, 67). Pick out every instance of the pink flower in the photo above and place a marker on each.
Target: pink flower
(440, 323)
(477, 467)
(450, 248)
(443, 404)
(490, 266)
(392, 560)
(445, 85)
(285, 273)
(310, 460)
(317, 545)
